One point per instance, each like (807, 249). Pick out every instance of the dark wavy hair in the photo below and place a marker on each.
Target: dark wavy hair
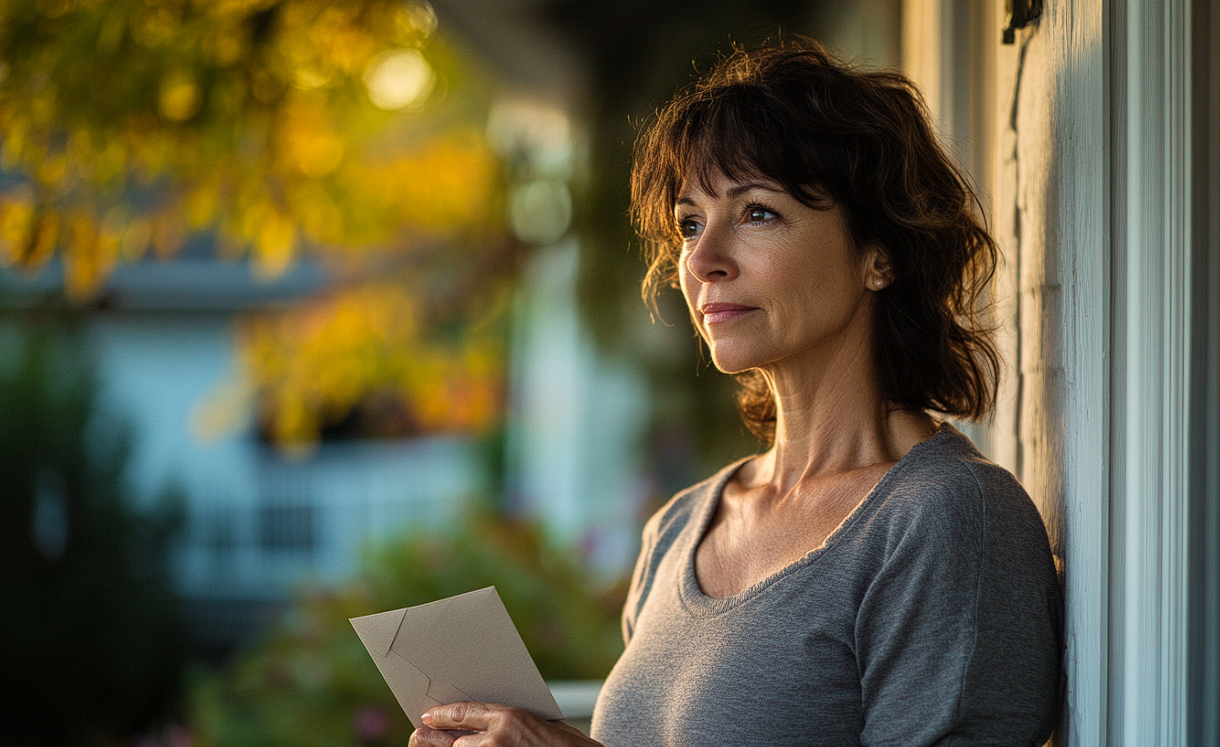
(834, 134)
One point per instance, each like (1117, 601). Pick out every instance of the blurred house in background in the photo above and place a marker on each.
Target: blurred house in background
(258, 523)
(261, 523)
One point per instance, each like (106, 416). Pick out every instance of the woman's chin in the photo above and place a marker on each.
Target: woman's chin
(732, 362)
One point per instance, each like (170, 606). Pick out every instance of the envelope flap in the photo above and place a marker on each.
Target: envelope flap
(470, 641)
(460, 648)
(377, 631)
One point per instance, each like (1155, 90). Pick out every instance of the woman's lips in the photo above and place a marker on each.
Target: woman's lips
(717, 313)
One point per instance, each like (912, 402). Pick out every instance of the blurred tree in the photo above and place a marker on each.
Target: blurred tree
(276, 123)
(347, 130)
(311, 682)
(91, 644)
(350, 364)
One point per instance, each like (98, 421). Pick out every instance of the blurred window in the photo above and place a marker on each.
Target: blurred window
(287, 527)
(220, 531)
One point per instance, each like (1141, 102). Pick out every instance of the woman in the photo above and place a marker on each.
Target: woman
(870, 578)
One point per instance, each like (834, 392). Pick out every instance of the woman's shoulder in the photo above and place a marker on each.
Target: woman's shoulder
(947, 480)
(688, 504)
(949, 462)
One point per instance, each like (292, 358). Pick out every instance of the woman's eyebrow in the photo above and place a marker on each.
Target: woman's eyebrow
(738, 190)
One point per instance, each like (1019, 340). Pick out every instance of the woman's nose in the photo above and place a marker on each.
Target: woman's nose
(711, 258)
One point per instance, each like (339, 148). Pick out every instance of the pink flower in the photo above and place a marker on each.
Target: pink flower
(371, 723)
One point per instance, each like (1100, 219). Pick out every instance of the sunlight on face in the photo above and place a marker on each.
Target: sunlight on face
(769, 281)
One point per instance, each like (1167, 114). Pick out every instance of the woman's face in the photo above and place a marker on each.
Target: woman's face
(771, 282)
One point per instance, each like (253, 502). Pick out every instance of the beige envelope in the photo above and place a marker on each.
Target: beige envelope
(461, 648)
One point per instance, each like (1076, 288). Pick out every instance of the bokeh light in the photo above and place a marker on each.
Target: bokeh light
(398, 79)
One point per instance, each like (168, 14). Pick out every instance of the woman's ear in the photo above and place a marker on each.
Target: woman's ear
(878, 272)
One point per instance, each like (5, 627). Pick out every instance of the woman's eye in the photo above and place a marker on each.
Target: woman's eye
(688, 228)
(759, 214)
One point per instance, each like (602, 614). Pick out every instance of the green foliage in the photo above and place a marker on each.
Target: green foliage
(311, 682)
(90, 628)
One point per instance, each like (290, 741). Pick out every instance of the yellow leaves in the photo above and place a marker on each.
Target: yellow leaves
(449, 187)
(202, 204)
(27, 236)
(225, 38)
(312, 367)
(180, 96)
(92, 247)
(157, 25)
(95, 252)
(272, 234)
(225, 409)
(226, 46)
(455, 390)
(110, 35)
(321, 220)
(16, 223)
(13, 146)
(51, 171)
(307, 77)
(288, 155)
(325, 40)
(316, 364)
(111, 162)
(309, 143)
(136, 239)
(275, 244)
(153, 153)
(279, 127)
(166, 234)
(42, 241)
(337, 38)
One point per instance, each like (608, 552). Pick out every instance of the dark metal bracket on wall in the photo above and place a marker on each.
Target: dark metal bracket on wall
(1017, 15)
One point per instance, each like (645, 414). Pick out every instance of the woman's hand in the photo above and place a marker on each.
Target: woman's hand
(494, 726)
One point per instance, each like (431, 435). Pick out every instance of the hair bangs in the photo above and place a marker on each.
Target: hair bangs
(738, 134)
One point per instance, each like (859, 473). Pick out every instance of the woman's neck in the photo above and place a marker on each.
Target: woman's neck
(834, 424)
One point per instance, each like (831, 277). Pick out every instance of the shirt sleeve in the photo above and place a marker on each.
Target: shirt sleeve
(637, 592)
(959, 635)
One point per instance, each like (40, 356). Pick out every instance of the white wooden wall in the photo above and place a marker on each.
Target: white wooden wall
(1081, 133)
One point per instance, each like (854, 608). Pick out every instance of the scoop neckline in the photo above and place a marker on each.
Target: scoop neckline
(700, 604)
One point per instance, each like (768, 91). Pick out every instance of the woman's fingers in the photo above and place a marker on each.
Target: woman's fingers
(425, 737)
(468, 716)
(494, 726)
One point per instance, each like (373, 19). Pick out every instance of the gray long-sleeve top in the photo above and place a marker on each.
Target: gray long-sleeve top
(931, 616)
